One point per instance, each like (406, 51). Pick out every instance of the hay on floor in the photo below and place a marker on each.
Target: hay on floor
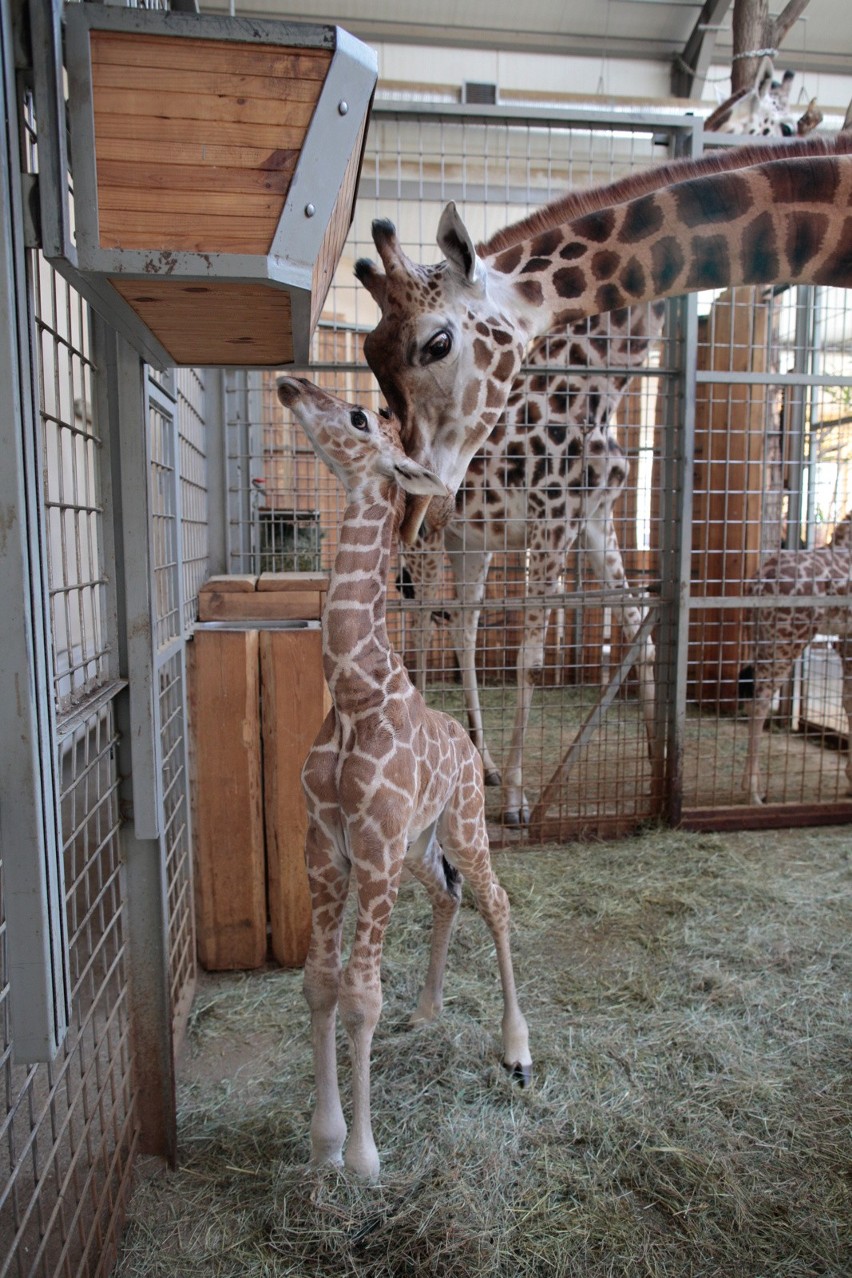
(688, 1005)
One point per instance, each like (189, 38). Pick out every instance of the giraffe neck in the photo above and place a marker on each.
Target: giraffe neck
(782, 221)
(357, 654)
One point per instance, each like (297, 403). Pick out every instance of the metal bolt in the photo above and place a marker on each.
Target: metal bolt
(343, 106)
(310, 210)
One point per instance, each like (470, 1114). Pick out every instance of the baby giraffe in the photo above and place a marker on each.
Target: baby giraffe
(388, 782)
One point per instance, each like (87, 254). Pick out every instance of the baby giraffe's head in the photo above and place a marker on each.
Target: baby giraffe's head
(362, 448)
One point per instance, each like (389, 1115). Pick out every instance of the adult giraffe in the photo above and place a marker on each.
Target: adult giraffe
(451, 336)
(546, 478)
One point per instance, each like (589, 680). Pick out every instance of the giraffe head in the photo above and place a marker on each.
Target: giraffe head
(764, 109)
(362, 448)
(445, 351)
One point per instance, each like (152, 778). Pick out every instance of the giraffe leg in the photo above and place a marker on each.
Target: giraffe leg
(757, 715)
(470, 570)
(543, 578)
(464, 838)
(328, 877)
(602, 546)
(442, 881)
(377, 883)
(423, 563)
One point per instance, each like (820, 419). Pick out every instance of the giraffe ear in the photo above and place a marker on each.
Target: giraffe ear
(457, 246)
(414, 478)
(374, 280)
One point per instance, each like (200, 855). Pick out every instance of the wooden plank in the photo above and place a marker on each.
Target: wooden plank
(121, 154)
(154, 129)
(295, 702)
(214, 324)
(287, 605)
(151, 176)
(227, 804)
(209, 205)
(159, 80)
(231, 583)
(293, 581)
(205, 107)
(125, 48)
(187, 232)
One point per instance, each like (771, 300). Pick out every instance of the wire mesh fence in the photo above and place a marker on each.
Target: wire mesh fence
(68, 1130)
(523, 616)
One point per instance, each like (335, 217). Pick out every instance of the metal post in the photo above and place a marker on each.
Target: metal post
(216, 442)
(676, 551)
(29, 779)
(137, 719)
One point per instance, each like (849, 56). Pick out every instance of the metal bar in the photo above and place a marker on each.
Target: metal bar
(137, 721)
(592, 722)
(208, 27)
(630, 120)
(709, 377)
(39, 980)
(217, 452)
(689, 69)
(134, 573)
(676, 519)
(720, 602)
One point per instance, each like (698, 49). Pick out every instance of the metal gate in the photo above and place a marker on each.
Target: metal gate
(104, 546)
(589, 764)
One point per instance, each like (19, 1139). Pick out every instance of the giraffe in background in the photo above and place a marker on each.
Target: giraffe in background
(388, 782)
(764, 109)
(548, 476)
(780, 635)
(451, 337)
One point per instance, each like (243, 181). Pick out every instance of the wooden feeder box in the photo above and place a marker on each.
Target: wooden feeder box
(215, 163)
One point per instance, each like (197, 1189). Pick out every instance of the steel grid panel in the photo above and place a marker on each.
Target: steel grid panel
(770, 379)
(72, 497)
(175, 837)
(164, 532)
(67, 1136)
(189, 387)
(285, 508)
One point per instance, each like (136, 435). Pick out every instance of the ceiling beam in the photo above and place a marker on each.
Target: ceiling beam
(690, 67)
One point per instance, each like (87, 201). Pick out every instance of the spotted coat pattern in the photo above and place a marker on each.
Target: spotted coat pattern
(451, 336)
(389, 782)
(780, 635)
(549, 473)
(764, 109)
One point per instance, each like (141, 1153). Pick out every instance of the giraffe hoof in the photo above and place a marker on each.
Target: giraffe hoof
(516, 817)
(519, 1073)
(492, 777)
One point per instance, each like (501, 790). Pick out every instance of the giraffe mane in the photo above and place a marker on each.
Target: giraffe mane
(578, 203)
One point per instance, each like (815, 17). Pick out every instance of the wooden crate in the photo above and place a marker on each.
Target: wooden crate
(215, 164)
(257, 700)
(273, 596)
(227, 799)
(295, 701)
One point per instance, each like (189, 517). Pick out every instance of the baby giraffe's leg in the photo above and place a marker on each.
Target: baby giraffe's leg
(328, 876)
(377, 879)
(443, 882)
(464, 837)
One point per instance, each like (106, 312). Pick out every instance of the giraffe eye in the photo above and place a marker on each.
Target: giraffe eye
(438, 347)
(358, 419)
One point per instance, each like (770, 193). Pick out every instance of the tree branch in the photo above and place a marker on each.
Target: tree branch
(791, 13)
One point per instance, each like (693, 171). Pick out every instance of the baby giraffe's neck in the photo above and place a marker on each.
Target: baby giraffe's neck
(357, 653)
